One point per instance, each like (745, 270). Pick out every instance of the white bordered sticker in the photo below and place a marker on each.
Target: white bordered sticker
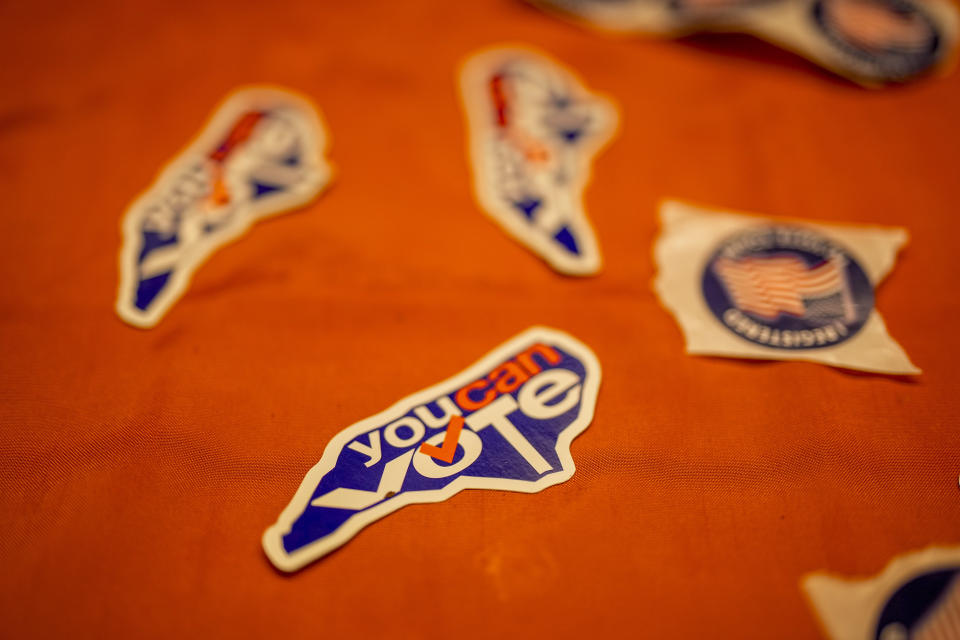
(534, 130)
(505, 423)
(746, 286)
(916, 597)
(261, 153)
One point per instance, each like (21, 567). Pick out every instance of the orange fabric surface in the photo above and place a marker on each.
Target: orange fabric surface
(139, 468)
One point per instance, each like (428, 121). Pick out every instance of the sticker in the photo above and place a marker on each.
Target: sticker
(870, 41)
(262, 153)
(801, 289)
(916, 597)
(534, 130)
(886, 38)
(749, 287)
(506, 423)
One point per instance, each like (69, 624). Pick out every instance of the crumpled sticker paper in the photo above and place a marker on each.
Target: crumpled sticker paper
(873, 42)
(916, 597)
(745, 286)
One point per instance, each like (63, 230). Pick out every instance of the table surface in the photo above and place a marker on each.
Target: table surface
(139, 468)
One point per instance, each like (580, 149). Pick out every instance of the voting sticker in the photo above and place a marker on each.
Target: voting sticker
(262, 153)
(872, 42)
(753, 287)
(534, 130)
(505, 423)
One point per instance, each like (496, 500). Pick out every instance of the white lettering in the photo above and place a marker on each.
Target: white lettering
(371, 450)
(355, 499)
(546, 386)
(495, 415)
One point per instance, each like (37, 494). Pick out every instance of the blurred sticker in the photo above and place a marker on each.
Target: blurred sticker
(916, 597)
(506, 423)
(749, 287)
(534, 130)
(873, 42)
(260, 154)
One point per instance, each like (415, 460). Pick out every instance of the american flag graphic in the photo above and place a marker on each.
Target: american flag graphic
(942, 622)
(879, 26)
(770, 285)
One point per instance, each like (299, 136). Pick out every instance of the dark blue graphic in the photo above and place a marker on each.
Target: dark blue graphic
(565, 237)
(787, 288)
(916, 602)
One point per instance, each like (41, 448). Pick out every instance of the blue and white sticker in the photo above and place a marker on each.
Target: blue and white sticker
(747, 286)
(916, 597)
(788, 288)
(505, 423)
(534, 130)
(261, 153)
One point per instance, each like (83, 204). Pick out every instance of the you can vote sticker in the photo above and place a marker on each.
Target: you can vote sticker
(788, 288)
(506, 423)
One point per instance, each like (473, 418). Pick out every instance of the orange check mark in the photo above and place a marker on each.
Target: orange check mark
(449, 448)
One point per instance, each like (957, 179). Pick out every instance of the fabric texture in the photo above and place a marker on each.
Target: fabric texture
(140, 468)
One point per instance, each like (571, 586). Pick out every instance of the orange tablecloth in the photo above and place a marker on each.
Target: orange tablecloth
(139, 468)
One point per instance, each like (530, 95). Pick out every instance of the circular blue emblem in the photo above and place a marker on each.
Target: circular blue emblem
(894, 39)
(927, 602)
(787, 288)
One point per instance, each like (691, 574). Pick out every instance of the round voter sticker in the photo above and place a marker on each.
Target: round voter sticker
(787, 288)
(895, 37)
